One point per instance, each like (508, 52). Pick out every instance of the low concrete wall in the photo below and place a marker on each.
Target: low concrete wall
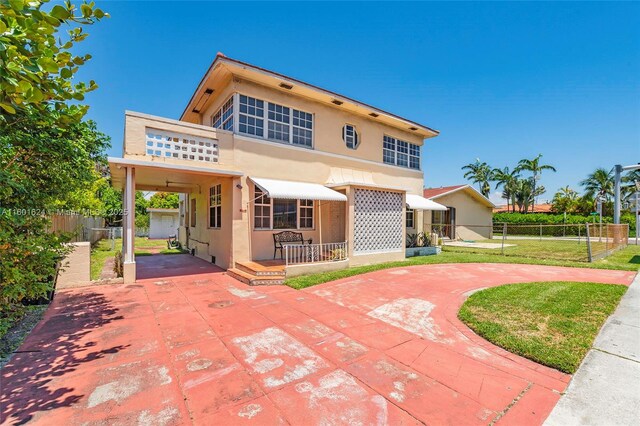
(315, 268)
(76, 267)
(422, 251)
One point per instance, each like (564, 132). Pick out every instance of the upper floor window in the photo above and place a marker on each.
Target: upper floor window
(350, 136)
(215, 206)
(283, 124)
(302, 128)
(223, 118)
(278, 123)
(400, 153)
(251, 116)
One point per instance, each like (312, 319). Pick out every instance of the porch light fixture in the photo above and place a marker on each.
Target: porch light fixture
(337, 102)
(286, 86)
(202, 101)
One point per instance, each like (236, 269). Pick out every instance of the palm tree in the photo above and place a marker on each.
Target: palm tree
(536, 169)
(525, 192)
(599, 183)
(565, 200)
(631, 180)
(507, 179)
(479, 173)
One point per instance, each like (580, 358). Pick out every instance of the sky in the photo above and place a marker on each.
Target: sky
(500, 81)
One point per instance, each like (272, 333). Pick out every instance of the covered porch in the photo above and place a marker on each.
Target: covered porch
(134, 174)
(294, 227)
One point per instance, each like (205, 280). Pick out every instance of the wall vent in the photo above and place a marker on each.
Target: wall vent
(374, 115)
(286, 86)
(337, 102)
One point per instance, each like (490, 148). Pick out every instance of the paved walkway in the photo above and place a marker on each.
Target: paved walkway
(606, 387)
(380, 348)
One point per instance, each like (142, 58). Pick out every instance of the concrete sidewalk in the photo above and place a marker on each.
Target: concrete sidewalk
(606, 388)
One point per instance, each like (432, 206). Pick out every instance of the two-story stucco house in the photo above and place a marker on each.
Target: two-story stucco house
(256, 153)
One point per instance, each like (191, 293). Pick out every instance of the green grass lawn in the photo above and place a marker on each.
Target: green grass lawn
(144, 247)
(547, 248)
(552, 323)
(627, 259)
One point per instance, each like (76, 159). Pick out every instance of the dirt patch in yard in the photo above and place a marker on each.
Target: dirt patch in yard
(18, 332)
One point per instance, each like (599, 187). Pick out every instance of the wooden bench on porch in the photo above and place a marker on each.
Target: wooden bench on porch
(287, 237)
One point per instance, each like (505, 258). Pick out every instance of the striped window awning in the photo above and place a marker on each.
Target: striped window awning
(297, 190)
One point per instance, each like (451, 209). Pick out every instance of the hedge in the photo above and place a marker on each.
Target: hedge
(559, 219)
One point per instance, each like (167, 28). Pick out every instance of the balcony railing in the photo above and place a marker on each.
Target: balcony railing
(295, 254)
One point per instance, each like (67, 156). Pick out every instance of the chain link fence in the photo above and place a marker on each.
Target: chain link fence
(575, 242)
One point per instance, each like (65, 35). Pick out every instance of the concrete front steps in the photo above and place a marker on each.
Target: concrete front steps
(253, 273)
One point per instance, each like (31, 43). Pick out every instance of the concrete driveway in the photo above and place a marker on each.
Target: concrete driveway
(189, 344)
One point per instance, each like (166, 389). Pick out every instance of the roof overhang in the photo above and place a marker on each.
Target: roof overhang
(366, 185)
(160, 176)
(159, 210)
(470, 191)
(224, 68)
(297, 190)
(416, 202)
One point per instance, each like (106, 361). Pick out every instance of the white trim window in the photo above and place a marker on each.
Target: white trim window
(302, 128)
(284, 124)
(223, 118)
(278, 119)
(251, 117)
(400, 153)
(280, 213)
(215, 206)
(350, 136)
(410, 218)
(261, 210)
(306, 214)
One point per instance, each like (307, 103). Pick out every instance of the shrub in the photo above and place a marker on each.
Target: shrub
(337, 254)
(418, 240)
(543, 218)
(28, 258)
(555, 219)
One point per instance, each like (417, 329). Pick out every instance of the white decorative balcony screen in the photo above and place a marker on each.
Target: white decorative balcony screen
(378, 221)
(160, 143)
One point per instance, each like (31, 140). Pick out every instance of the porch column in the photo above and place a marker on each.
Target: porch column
(129, 220)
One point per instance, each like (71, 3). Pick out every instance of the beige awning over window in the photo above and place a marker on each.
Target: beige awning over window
(417, 202)
(297, 190)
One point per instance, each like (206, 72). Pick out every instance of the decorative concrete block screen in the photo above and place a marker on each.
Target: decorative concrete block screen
(165, 144)
(378, 221)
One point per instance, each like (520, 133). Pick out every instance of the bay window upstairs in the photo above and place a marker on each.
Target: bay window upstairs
(246, 115)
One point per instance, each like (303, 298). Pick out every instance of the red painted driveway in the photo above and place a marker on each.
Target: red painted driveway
(187, 344)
